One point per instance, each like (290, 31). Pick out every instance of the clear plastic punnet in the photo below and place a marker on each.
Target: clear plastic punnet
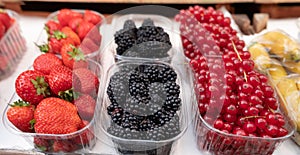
(90, 45)
(81, 141)
(276, 54)
(143, 36)
(12, 46)
(236, 109)
(144, 109)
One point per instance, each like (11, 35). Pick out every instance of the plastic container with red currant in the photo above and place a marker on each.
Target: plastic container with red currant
(237, 110)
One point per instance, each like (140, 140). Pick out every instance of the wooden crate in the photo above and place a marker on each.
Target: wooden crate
(281, 10)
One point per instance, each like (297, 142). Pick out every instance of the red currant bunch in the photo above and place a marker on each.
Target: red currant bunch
(232, 96)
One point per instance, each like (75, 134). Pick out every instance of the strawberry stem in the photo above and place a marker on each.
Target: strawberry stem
(76, 54)
(42, 87)
(32, 122)
(20, 103)
(69, 95)
(59, 35)
(43, 48)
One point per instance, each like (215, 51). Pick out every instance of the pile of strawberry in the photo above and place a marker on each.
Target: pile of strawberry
(5, 22)
(73, 27)
(56, 99)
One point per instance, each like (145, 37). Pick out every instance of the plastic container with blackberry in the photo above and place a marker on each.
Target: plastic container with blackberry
(144, 110)
(147, 41)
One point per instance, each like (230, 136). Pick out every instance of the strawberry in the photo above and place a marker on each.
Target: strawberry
(94, 35)
(42, 144)
(65, 15)
(84, 28)
(60, 79)
(52, 26)
(56, 116)
(72, 57)
(86, 106)
(5, 19)
(2, 30)
(20, 114)
(55, 43)
(86, 135)
(3, 63)
(88, 46)
(31, 86)
(45, 62)
(63, 145)
(73, 23)
(85, 81)
(71, 34)
(91, 17)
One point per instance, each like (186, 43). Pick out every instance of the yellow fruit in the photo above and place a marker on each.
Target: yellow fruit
(287, 87)
(292, 66)
(277, 72)
(260, 56)
(281, 45)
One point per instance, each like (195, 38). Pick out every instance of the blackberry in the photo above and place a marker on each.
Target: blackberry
(144, 98)
(172, 89)
(148, 22)
(152, 72)
(148, 41)
(129, 24)
(167, 74)
(125, 39)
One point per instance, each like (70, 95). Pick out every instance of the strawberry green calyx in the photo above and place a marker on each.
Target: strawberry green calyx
(59, 35)
(32, 122)
(43, 48)
(46, 28)
(20, 103)
(68, 95)
(42, 87)
(76, 54)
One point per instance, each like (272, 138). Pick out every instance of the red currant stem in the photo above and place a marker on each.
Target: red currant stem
(271, 110)
(247, 117)
(245, 77)
(235, 50)
(237, 53)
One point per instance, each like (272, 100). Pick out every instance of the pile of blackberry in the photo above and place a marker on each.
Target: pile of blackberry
(148, 41)
(144, 101)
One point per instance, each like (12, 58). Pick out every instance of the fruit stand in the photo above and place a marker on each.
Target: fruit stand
(113, 65)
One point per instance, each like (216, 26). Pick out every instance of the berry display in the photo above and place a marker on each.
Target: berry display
(143, 107)
(148, 40)
(232, 96)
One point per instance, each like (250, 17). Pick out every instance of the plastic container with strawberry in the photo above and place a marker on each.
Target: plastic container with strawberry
(55, 105)
(81, 27)
(236, 110)
(12, 43)
(144, 110)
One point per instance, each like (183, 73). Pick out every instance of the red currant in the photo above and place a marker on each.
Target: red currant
(260, 122)
(219, 124)
(249, 127)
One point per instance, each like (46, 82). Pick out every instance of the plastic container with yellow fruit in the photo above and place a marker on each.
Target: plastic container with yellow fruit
(278, 55)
